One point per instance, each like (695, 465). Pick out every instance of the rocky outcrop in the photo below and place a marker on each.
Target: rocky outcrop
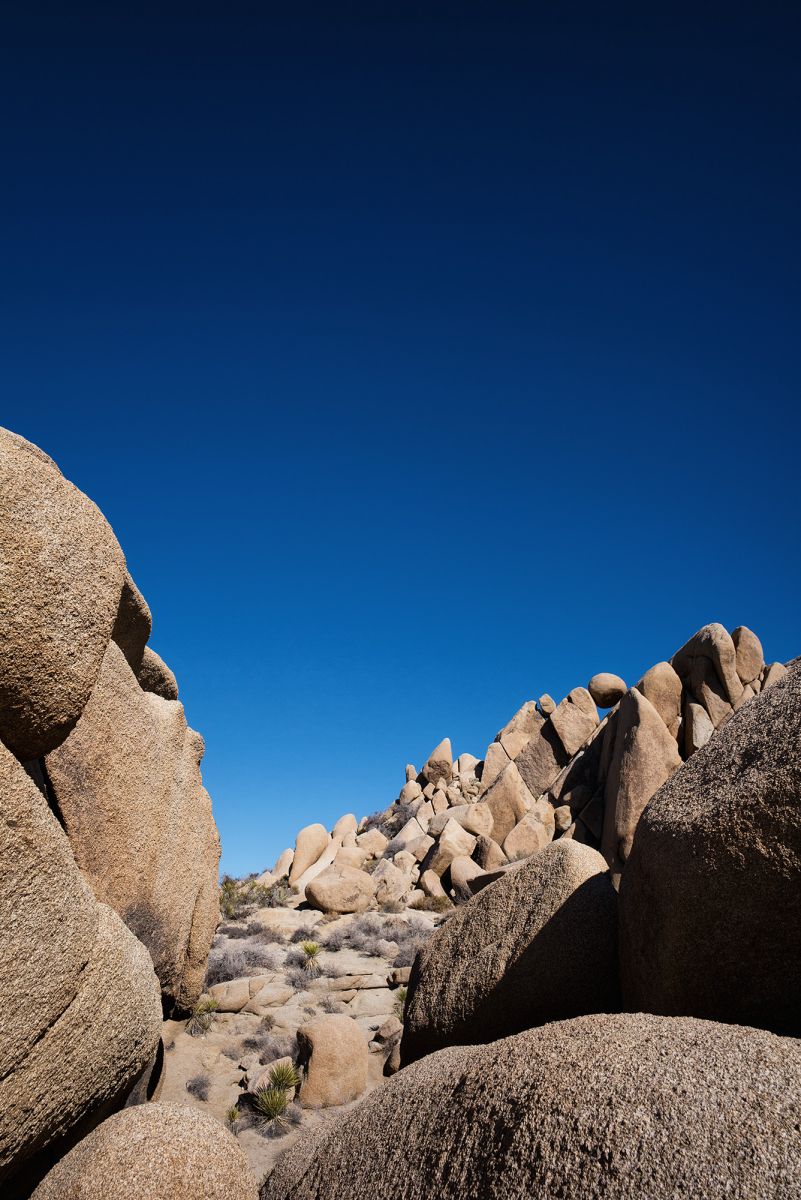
(83, 1016)
(153, 1152)
(710, 898)
(61, 577)
(538, 945)
(613, 1106)
(129, 791)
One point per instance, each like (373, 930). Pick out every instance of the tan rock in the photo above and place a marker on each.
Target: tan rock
(747, 694)
(153, 1152)
(405, 861)
(662, 687)
(749, 658)
(431, 884)
(452, 842)
(374, 1003)
(440, 763)
(346, 824)
(373, 842)
(351, 856)
(508, 800)
(528, 837)
(704, 684)
(410, 791)
(563, 817)
(129, 791)
(606, 689)
(644, 756)
(619, 1106)
(411, 772)
(420, 847)
(698, 728)
(155, 676)
(341, 890)
(391, 884)
(78, 990)
(539, 945)
(439, 801)
(772, 674)
(541, 761)
(524, 725)
(463, 869)
(495, 760)
(283, 863)
(714, 644)
(333, 1056)
(309, 845)
(488, 854)
(574, 719)
(132, 624)
(61, 575)
(546, 704)
(475, 818)
(410, 832)
(422, 811)
(466, 764)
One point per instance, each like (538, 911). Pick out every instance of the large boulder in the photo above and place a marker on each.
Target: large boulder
(644, 755)
(61, 576)
(309, 845)
(129, 792)
(341, 890)
(508, 799)
(574, 719)
(617, 1107)
(439, 765)
(662, 687)
(80, 998)
(606, 689)
(153, 1152)
(333, 1061)
(711, 894)
(538, 945)
(749, 659)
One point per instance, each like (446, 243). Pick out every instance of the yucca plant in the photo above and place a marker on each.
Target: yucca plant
(232, 1116)
(312, 952)
(271, 1104)
(200, 1020)
(400, 1002)
(284, 1076)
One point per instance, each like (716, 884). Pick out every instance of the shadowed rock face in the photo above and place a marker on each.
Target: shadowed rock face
(615, 1106)
(537, 945)
(710, 902)
(129, 791)
(61, 576)
(83, 1016)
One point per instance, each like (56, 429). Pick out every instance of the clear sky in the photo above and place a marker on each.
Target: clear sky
(424, 357)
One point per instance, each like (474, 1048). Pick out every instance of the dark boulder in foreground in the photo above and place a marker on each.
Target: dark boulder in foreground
(539, 944)
(603, 1106)
(710, 900)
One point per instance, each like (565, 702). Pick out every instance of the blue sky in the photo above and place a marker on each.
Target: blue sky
(423, 357)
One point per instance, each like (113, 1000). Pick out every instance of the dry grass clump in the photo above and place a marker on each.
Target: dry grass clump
(201, 1017)
(238, 962)
(199, 1086)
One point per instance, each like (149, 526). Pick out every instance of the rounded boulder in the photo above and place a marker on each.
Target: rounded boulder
(606, 689)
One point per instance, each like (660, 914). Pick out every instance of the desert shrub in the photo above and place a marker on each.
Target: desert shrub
(335, 939)
(269, 1046)
(400, 1002)
(231, 1117)
(329, 1005)
(437, 904)
(303, 934)
(232, 1050)
(297, 978)
(232, 931)
(201, 1017)
(240, 896)
(236, 963)
(393, 906)
(267, 1021)
(311, 951)
(199, 1085)
(268, 937)
(295, 957)
(284, 1075)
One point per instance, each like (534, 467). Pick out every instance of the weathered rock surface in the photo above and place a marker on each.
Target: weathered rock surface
(61, 576)
(644, 756)
(155, 676)
(539, 944)
(342, 890)
(453, 841)
(711, 894)
(616, 1106)
(133, 624)
(440, 763)
(153, 1152)
(508, 800)
(529, 836)
(129, 791)
(81, 1001)
(606, 689)
(574, 719)
(713, 644)
(333, 1055)
(661, 686)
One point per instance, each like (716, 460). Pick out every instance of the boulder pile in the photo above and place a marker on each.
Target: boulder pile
(108, 888)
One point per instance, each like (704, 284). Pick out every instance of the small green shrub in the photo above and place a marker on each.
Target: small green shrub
(270, 1104)
(400, 1002)
(232, 1116)
(285, 1076)
(200, 1020)
(312, 952)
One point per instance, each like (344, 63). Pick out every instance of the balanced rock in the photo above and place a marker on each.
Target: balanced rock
(61, 576)
(546, 704)
(341, 890)
(309, 845)
(711, 895)
(749, 658)
(643, 757)
(333, 1060)
(153, 1152)
(606, 689)
(618, 1107)
(440, 763)
(129, 791)
(82, 1005)
(539, 945)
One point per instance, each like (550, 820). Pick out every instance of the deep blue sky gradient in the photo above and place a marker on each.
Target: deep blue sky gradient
(423, 357)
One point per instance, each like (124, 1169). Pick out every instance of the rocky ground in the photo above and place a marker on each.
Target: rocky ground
(266, 987)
